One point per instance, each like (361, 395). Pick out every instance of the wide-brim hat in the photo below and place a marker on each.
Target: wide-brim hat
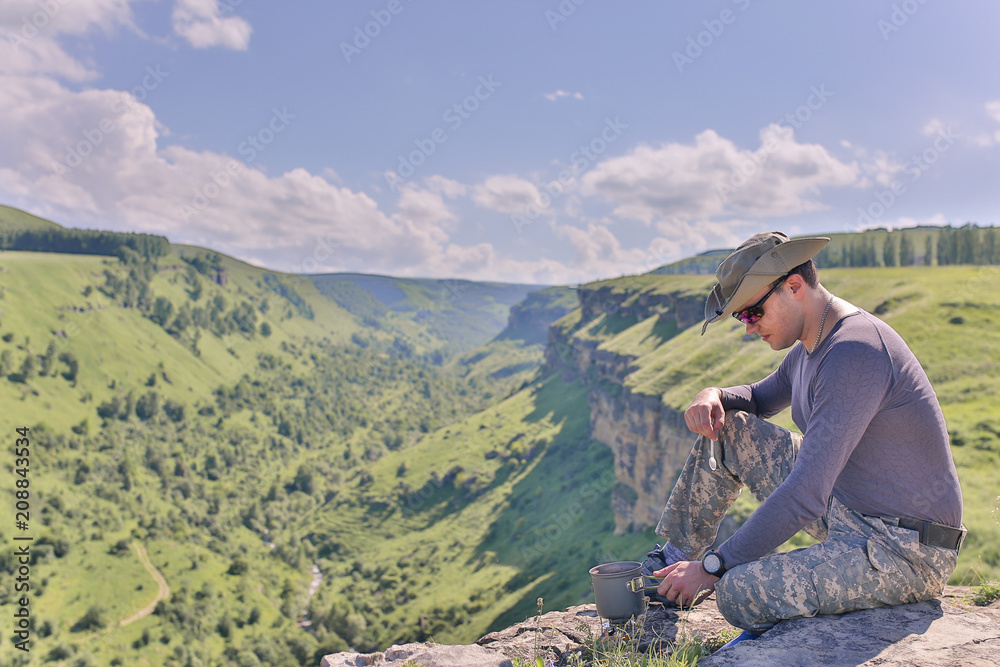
(755, 264)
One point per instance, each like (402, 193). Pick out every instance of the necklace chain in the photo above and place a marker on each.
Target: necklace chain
(822, 324)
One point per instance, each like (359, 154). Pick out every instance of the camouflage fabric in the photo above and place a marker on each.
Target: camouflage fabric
(860, 563)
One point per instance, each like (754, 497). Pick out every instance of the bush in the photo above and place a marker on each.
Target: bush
(72, 366)
(109, 409)
(174, 411)
(148, 406)
(238, 567)
(96, 618)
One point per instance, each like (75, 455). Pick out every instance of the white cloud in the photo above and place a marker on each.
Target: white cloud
(559, 94)
(445, 186)
(32, 28)
(712, 178)
(425, 213)
(507, 194)
(990, 136)
(201, 23)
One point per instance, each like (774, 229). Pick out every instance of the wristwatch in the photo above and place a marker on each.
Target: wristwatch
(713, 563)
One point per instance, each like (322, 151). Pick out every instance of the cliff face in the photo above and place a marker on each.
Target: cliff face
(649, 440)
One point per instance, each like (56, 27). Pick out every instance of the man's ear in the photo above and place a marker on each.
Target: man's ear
(796, 286)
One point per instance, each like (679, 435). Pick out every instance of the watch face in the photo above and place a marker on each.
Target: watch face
(712, 563)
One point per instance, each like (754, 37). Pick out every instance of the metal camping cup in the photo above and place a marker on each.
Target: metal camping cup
(615, 599)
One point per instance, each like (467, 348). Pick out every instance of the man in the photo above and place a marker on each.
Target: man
(871, 476)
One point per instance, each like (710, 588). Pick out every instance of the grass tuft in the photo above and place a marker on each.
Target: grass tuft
(986, 593)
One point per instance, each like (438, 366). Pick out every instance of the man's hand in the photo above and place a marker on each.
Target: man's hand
(685, 583)
(706, 414)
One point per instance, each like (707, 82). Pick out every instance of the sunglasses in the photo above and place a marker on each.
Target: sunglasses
(752, 314)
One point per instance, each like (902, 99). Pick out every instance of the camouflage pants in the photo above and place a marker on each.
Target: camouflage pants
(861, 562)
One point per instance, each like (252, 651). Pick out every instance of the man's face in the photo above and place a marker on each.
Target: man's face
(774, 327)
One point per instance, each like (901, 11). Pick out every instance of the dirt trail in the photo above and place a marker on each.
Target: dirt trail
(162, 594)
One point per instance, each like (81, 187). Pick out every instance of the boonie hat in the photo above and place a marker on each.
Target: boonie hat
(755, 264)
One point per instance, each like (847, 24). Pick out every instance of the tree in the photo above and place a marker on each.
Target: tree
(72, 366)
(163, 310)
(906, 256)
(928, 251)
(110, 409)
(48, 360)
(265, 329)
(174, 411)
(889, 251)
(94, 619)
(27, 369)
(148, 406)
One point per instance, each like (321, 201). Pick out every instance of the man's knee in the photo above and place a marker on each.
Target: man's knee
(736, 601)
(756, 595)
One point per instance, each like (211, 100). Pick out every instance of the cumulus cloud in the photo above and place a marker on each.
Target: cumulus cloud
(202, 24)
(506, 193)
(445, 186)
(32, 30)
(425, 213)
(712, 177)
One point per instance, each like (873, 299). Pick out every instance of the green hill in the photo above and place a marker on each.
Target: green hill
(14, 219)
(193, 407)
(442, 316)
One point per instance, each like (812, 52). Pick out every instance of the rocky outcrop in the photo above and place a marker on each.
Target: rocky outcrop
(426, 654)
(944, 631)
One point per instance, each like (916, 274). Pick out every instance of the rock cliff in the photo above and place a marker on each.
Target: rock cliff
(649, 439)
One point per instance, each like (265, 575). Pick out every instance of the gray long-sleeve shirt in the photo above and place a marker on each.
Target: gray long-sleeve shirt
(873, 436)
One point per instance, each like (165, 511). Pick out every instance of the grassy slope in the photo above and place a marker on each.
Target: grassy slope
(14, 219)
(118, 349)
(41, 289)
(116, 344)
(474, 550)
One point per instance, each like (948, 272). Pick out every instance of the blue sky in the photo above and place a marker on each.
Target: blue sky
(542, 142)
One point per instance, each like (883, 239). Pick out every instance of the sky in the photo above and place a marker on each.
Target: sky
(544, 142)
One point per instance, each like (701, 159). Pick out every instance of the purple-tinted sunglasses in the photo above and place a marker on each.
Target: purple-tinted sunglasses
(752, 314)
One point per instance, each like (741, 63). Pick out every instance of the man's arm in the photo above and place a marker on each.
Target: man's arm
(707, 412)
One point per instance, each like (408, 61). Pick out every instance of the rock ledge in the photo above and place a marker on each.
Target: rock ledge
(945, 631)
